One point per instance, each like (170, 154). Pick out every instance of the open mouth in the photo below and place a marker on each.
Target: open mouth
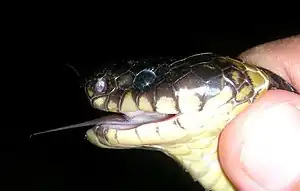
(130, 120)
(119, 122)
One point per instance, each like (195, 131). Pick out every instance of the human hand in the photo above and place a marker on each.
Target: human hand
(260, 149)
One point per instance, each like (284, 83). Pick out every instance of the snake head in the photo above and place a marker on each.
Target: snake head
(178, 107)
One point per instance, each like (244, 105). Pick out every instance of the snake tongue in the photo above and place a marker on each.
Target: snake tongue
(124, 121)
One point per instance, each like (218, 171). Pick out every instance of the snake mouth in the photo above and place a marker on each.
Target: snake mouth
(118, 122)
(130, 120)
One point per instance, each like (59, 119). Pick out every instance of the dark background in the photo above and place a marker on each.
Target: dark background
(46, 95)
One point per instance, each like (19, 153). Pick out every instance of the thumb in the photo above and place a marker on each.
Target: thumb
(259, 150)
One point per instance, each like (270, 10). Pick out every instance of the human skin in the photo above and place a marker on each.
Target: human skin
(260, 148)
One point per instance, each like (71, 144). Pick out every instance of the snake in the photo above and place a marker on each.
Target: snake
(176, 106)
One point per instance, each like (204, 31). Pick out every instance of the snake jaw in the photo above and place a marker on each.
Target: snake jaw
(105, 133)
(100, 139)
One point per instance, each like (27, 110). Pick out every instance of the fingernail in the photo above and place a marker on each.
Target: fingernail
(271, 149)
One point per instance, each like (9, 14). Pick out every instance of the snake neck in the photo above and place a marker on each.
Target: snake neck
(200, 159)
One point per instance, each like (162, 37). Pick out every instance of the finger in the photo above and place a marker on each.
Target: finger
(281, 56)
(259, 150)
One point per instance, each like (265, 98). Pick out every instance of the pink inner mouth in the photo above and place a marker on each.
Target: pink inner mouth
(131, 120)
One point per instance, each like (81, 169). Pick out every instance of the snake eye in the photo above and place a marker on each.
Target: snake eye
(101, 85)
(144, 79)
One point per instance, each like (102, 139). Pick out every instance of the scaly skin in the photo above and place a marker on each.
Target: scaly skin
(205, 92)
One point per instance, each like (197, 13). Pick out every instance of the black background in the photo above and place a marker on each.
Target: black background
(45, 94)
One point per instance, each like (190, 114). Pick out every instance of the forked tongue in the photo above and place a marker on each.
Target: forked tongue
(116, 121)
